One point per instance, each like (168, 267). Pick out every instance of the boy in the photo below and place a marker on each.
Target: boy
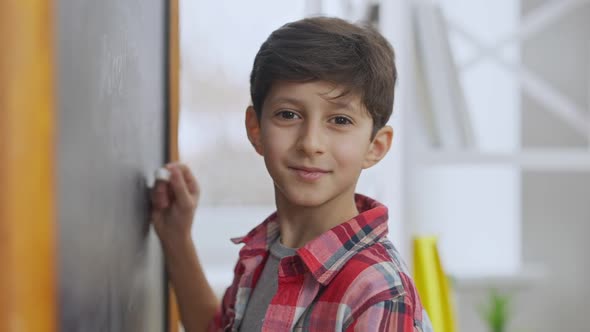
(322, 92)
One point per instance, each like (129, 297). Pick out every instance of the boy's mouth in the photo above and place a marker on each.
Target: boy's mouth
(309, 173)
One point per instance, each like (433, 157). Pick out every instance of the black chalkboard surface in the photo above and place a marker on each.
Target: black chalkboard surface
(112, 133)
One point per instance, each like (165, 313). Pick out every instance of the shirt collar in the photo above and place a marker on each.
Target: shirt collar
(325, 255)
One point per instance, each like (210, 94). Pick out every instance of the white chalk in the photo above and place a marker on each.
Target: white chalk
(163, 174)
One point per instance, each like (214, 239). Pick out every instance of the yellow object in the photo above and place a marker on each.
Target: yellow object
(28, 248)
(432, 284)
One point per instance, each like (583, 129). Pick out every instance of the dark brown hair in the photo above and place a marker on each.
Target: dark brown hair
(333, 50)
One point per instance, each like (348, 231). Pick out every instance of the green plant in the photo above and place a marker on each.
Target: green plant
(496, 312)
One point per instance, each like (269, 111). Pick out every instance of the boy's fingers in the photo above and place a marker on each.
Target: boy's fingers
(157, 220)
(179, 188)
(159, 195)
(191, 182)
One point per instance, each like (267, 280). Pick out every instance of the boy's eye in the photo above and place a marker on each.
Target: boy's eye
(341, 120)
(288, 115)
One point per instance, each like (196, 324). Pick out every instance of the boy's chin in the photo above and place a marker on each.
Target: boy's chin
(307, 202)
(307, 199)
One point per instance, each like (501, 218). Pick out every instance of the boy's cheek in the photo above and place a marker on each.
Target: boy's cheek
(271, 143)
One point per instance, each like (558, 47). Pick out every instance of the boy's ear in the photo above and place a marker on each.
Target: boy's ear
(379, 146)
(253, 129)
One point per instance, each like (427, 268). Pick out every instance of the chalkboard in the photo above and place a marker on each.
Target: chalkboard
(111, 88)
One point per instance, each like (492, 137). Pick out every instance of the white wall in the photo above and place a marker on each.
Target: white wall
(555, 210)
(495, 218)
(556, 206)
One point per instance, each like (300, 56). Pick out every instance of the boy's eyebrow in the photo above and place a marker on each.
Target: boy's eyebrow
(348, 106)
(285, 100)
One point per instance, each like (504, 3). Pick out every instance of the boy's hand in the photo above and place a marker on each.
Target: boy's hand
(174, 204)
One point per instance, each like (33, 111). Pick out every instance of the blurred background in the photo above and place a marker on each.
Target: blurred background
(491, 153)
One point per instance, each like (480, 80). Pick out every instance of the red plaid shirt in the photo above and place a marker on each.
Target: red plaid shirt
(350, 278)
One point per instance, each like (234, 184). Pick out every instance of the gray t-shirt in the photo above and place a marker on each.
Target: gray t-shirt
(265, 288)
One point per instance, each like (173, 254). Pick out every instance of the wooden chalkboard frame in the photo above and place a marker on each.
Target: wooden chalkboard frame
(173, 102)
(28, 226)
(27, 167)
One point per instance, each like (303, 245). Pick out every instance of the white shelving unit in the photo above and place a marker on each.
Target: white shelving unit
(529, 167)
(569, 160)
(525, 278)
(398, 26)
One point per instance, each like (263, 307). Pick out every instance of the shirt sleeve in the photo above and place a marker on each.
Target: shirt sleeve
(215, 323)
(394, 315)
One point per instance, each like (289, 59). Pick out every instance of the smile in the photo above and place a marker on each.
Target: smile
(309, 174)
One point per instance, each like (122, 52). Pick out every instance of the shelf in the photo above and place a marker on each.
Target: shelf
(530, 159)
(524, 278)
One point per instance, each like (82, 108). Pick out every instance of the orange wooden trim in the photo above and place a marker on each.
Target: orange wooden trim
(174, 79)
(173, 117)
(27, 167)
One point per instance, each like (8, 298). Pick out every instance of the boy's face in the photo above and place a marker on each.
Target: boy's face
(314, 146)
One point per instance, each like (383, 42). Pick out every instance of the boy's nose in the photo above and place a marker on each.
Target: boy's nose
(311, 139)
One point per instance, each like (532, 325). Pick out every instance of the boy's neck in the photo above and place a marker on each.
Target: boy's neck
(300, 224)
